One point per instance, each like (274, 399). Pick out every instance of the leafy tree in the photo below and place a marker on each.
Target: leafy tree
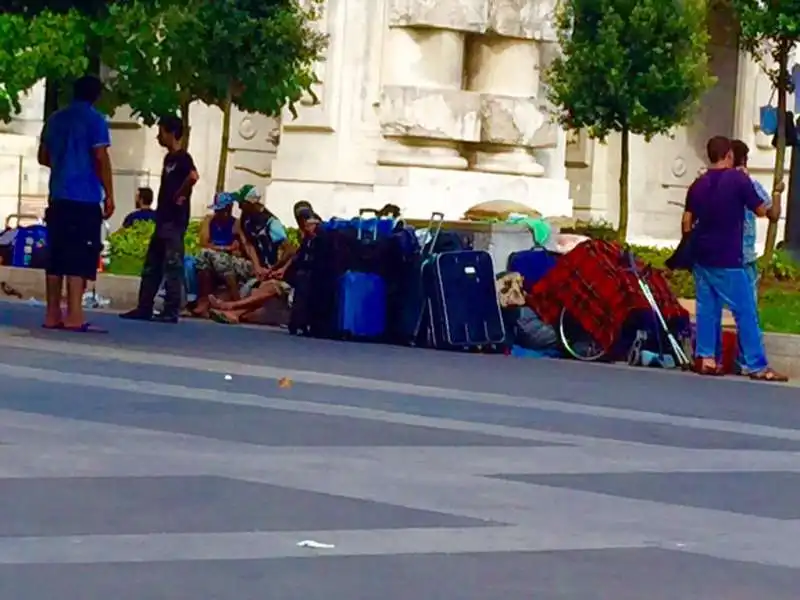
(258, 56)
(769, 30)
(33, 48)
(629, 66)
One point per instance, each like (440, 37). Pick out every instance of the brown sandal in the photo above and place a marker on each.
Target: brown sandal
(708, 370)
(769, 375)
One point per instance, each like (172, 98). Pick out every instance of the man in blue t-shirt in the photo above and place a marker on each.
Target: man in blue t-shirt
(144, 208)
(714, 214)
(74, 145)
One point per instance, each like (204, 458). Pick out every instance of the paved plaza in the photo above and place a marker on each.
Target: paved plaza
(132, 468)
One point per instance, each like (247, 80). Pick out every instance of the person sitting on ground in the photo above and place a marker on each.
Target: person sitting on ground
(265, 243)
(220, 257)
(277, 285)
(144, 208)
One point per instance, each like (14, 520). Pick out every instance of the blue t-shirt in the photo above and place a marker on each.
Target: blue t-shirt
(717, 201)
(749, 242)
(70, 137)
(143, 214)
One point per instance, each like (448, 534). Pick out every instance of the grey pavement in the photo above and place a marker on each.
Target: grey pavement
(131, 467)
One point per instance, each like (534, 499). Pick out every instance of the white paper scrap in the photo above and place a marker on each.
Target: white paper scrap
(316, 545)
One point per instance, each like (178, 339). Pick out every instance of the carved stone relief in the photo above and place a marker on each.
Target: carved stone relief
(432, 114)
(515, 121)
(526, 19)
(461, 15)
(253, 144)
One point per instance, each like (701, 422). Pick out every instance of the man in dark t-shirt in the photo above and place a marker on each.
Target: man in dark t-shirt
(164, 260)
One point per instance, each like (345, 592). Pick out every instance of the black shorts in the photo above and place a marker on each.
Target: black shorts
(73, 238)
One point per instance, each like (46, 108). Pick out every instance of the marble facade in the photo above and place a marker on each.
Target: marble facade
(432, 106)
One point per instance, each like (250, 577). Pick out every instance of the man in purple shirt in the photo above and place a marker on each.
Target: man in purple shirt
(714, 213)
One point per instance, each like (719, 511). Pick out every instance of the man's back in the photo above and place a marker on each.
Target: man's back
(717, 200)
(71, 135)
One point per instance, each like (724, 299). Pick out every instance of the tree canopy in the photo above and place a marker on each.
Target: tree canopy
(629, 66)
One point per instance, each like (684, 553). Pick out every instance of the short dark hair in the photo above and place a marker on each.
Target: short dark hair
(145, 195)
(718, 148)
(740, 153)
(87, 89)
(172, 124)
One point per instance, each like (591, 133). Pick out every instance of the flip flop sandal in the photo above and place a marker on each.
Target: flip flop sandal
(85, 328)
(53, 327)
(715, 371)
(220, 317)
(769, 376)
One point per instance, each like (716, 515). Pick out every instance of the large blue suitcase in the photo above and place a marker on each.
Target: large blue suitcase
(532, 264)
(463, 309)
(362, 305)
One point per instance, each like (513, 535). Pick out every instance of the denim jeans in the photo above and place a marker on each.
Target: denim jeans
(717, 288)
(752, 272)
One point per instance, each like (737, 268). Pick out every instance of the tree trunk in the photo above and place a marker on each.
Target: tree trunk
(624, 168)
(782, 58)
(187, 130)
(222, 168)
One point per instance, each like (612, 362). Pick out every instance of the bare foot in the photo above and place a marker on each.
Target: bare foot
(53, 320)
(201, 310)
(218, 304)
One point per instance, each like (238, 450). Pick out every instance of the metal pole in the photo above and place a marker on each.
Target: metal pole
(792, 231)
(20, 177)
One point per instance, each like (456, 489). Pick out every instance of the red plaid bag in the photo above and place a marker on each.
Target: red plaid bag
(596, 285)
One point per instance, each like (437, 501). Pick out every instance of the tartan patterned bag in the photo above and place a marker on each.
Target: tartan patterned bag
(596, 286)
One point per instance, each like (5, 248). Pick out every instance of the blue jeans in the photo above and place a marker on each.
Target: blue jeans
(752, 272)
(717, 288)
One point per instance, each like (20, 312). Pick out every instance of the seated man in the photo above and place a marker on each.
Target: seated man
(219, 257)
(273, 284)
(144, 208)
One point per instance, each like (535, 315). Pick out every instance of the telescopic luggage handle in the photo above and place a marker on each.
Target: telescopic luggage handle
(434, 229)
(360, 230)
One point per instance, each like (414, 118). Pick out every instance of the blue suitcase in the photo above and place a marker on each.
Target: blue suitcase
(30, 247)
(532, 264)
(362, 305)
(463, 309)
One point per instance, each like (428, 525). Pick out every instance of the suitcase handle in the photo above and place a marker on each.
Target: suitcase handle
(360, 229)
(19, 217)
(434, 229)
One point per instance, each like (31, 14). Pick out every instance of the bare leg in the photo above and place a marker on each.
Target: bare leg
(255, 300)
(75, 287)
(233, 286)
(54, 285)
(205, 287)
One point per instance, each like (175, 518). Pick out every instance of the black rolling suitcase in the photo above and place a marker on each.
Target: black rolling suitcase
(463, 309)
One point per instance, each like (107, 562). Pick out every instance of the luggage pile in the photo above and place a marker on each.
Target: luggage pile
(372, 279)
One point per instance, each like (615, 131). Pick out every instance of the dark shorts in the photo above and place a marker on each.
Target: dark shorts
(73, 238)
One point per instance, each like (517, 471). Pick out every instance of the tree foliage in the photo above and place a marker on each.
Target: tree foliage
(629, 66)
(258, 56)
(769, 31)
(31, 49)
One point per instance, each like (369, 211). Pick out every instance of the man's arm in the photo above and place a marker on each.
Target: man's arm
(756, 203)
(43, 155)
(250, 251)
(101, 142)
(191, 180)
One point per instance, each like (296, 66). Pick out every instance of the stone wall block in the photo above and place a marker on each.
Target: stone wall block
(460, 15)
(525, 19)
(514, 121)
(430, 113)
